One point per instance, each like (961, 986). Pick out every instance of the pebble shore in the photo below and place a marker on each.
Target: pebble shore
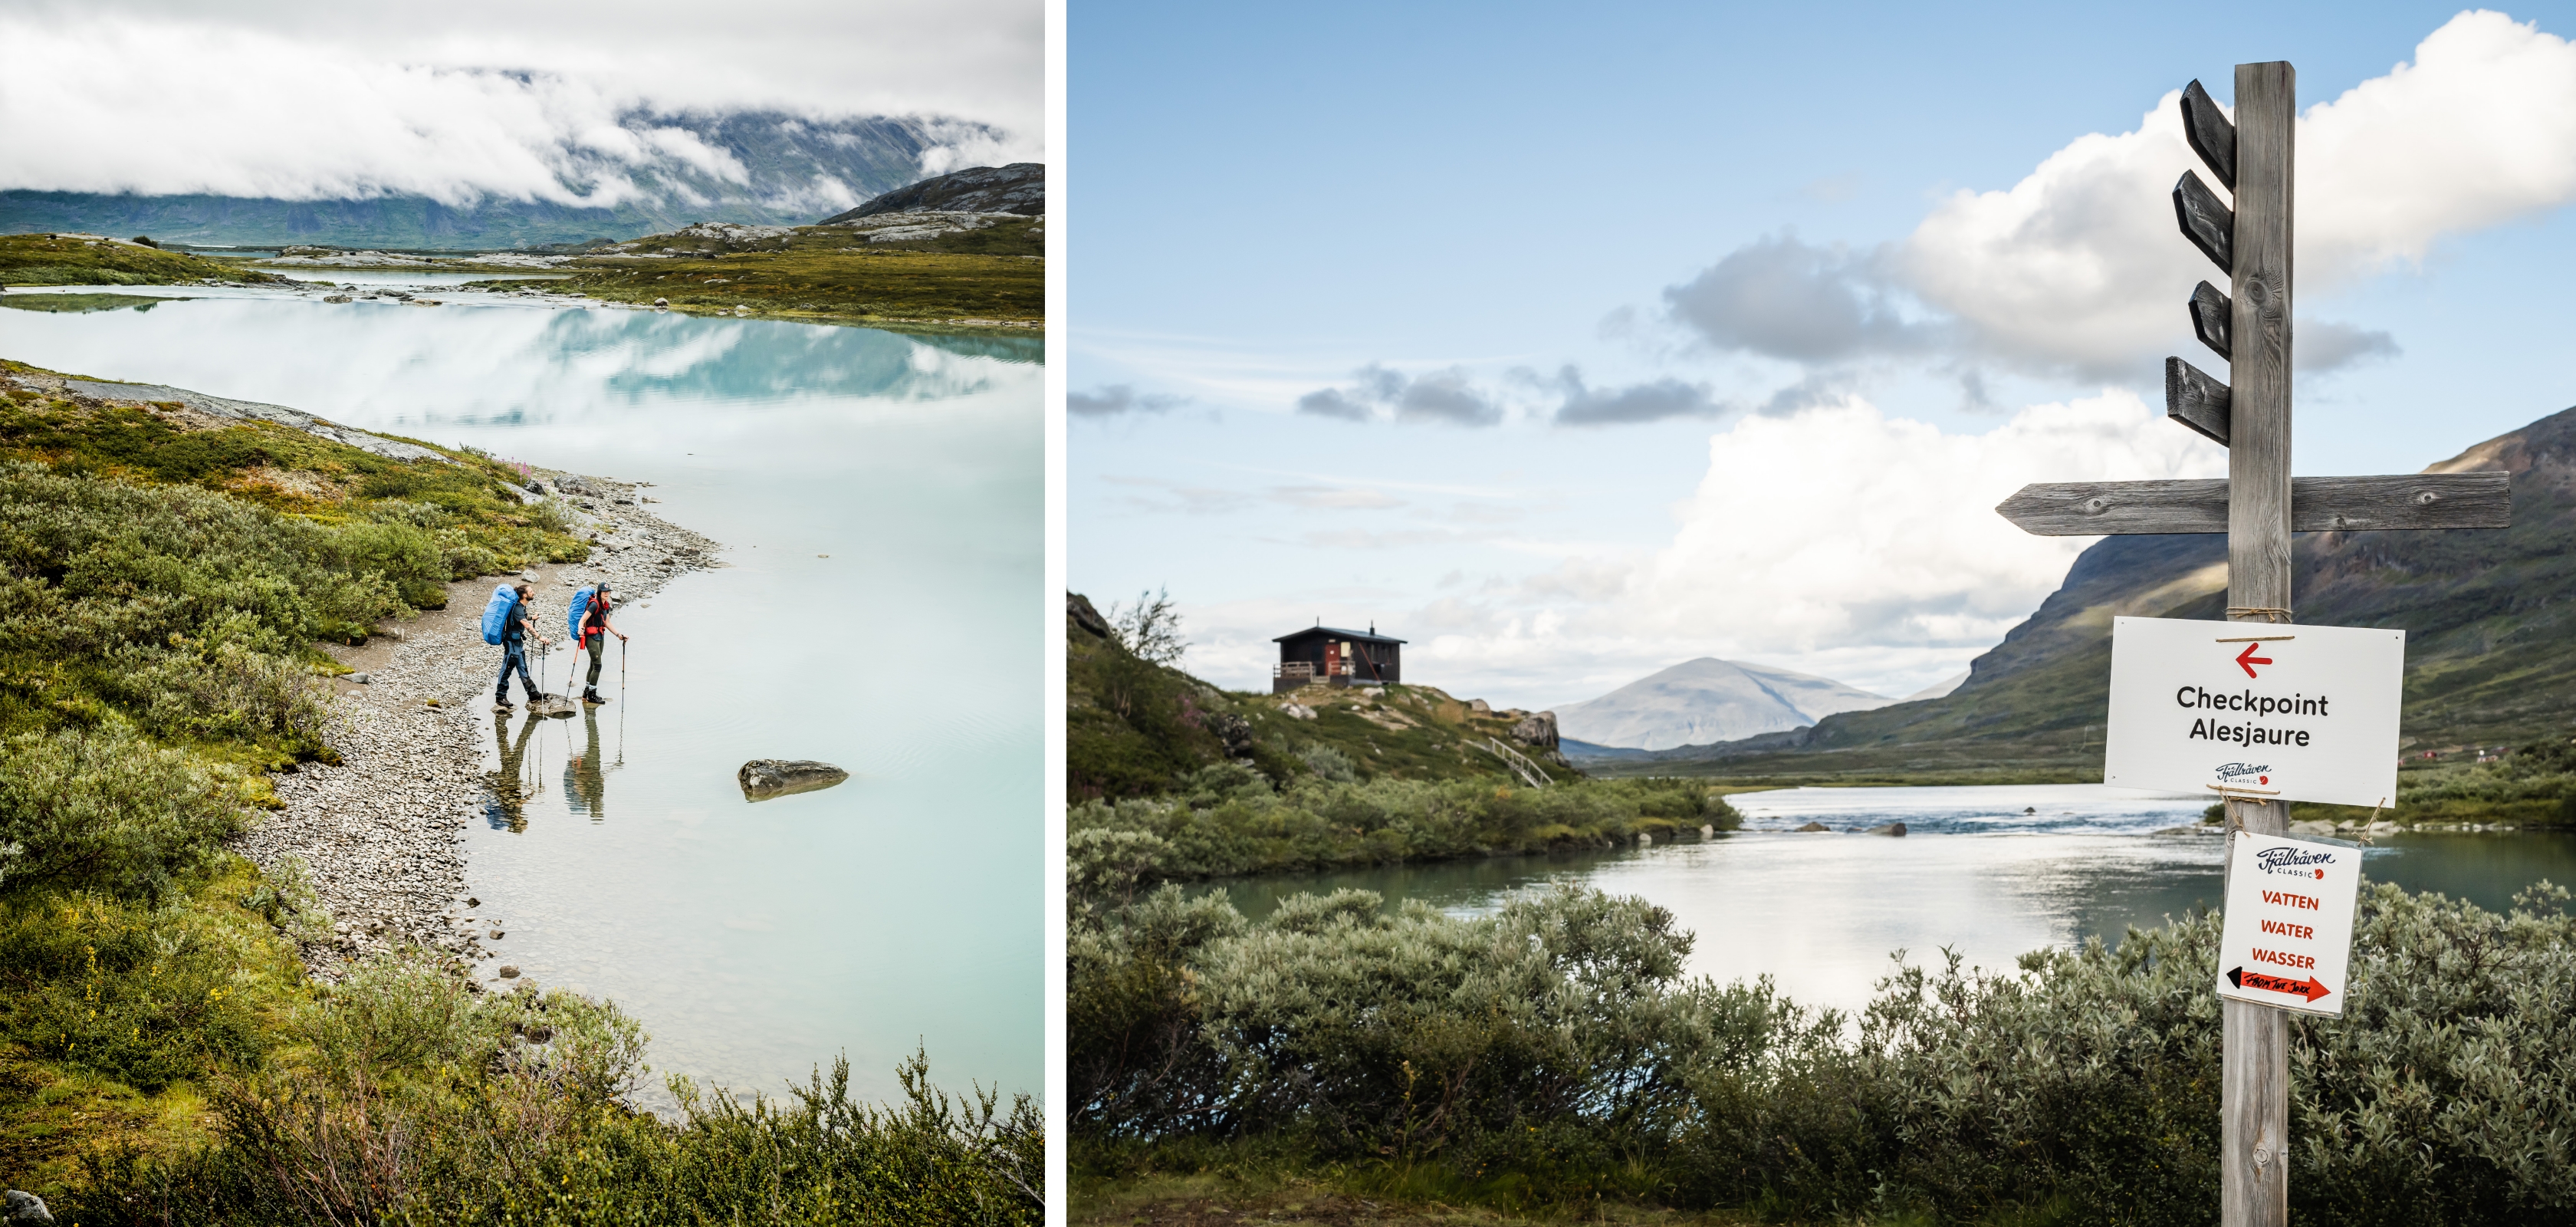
(381, 833)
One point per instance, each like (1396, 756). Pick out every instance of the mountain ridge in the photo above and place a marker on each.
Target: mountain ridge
(1674, 705)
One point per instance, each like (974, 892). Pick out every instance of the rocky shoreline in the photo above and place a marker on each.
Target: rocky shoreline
(380, 835)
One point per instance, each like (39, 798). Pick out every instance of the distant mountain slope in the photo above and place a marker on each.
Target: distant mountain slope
(1017, 188)
(2490, 659)
(787, 169)
(1706, 700)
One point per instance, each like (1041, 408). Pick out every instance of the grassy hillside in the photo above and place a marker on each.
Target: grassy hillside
(2489, 659)
(833, 274)
(47, 259)
(1136, 729)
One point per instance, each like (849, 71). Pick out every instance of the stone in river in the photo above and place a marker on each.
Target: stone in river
(1893, 828)
(508, 972)
(1815, 826)
(763, 778)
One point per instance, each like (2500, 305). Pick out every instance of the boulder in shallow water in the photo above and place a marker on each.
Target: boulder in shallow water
(1815, 826)
(1893, 828)
(763, 778)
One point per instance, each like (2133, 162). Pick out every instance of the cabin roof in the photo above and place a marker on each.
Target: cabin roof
(1335, 632)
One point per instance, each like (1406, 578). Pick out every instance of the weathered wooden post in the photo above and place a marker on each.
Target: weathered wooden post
(2258, 507)
(2254, 1186)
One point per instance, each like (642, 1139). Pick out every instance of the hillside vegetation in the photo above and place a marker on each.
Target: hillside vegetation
(2489, 661)
(992, 274)
(1135, 728)
(164, 576)
(64, 259)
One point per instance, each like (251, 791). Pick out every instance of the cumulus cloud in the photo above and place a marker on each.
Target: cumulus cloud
(1897, 539)
(2078, 268)
(1835, 540)
(1114, 399)
(183, 103)
(1377, 392)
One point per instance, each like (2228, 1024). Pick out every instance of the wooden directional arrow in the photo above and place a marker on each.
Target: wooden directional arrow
(2211, 136)
(2196, 400)
(2317, 505)
(2209, 225)
(2209, 317)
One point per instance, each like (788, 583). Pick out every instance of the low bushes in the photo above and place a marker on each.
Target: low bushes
(1554, 1052)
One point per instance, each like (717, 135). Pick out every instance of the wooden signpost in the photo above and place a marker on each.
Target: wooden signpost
(2258, 506)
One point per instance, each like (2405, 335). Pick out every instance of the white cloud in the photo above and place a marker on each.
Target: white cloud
(1841, 526)
(114, 101)
(2079, 266)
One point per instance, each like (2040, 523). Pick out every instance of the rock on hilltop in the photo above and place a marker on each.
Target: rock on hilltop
(1017, 188)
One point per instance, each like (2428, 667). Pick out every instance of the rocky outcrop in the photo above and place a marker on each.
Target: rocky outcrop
(1079, 611)
(763, 778)
(1017, 188)
(1536, 730)
(217, 406)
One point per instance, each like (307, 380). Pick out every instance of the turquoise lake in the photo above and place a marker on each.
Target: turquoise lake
(899, 910)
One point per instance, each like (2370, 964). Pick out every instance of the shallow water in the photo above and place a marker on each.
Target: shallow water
(1821, 913)
(754, 940)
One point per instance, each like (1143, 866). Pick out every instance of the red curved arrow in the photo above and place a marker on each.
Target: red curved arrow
(2308, 988)
(2247, 659)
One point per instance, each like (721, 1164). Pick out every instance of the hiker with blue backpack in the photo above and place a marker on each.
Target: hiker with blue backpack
(587, 623)
(507, 624)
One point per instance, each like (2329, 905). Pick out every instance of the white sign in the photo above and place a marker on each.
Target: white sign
(2287, 938)
(2290, 713)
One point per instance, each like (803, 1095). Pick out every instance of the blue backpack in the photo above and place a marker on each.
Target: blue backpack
(496, 613)
(572, 616)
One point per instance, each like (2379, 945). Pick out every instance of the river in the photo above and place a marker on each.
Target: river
(880, 501)
(1990, 872)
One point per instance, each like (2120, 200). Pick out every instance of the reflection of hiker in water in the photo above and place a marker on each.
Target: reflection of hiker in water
(594, 634)
(585, 777)
(516, 626)
(509, 796)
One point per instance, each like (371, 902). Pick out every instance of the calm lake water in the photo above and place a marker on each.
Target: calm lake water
(754, 941)
(1822, 913)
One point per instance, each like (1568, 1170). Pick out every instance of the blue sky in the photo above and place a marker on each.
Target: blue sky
(1573, 343)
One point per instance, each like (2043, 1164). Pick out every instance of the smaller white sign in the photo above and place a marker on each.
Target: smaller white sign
(2290, 713)
(2286, 939)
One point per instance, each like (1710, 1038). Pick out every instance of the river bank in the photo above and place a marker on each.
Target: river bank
(381, 833)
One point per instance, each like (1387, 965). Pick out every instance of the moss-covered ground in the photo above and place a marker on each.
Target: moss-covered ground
(829, 274)
(46, 259)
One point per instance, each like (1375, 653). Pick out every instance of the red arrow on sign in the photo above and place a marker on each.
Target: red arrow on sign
(2308, 988)
(2247, 659)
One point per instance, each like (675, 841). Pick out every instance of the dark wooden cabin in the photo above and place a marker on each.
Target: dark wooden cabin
(1336, 657)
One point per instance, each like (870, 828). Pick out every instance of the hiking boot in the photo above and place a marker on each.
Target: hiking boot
(500, 705)
(593, 697)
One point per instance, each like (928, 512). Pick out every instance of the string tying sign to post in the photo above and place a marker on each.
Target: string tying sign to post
(2307, 713)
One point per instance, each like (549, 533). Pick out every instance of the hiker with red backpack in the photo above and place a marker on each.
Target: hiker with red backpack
(588, 621)
(506, 623)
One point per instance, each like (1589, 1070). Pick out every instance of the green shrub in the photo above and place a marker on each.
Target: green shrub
(1553, 1052)
(105, 810)
(147, 996)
